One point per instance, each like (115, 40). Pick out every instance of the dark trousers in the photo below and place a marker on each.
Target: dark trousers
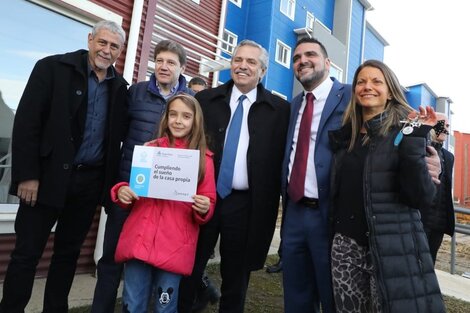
(230, 221)
(434, 240)
(306, 261)
(33, 226)
(108, 271)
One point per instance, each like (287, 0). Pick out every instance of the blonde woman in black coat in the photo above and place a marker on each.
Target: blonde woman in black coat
(380, 181)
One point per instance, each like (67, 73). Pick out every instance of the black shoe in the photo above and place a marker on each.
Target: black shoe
(206, 293)
(275, 268)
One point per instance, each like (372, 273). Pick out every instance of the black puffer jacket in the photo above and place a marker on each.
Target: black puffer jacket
(396, 185)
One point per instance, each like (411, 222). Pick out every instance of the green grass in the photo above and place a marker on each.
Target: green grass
(265, 294)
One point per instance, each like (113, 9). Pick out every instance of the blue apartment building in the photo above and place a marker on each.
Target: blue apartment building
(277, 25)
(341, 26)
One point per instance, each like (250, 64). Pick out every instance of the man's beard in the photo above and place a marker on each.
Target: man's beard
(313, 78)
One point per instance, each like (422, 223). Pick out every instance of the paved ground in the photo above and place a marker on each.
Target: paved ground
(83, 286)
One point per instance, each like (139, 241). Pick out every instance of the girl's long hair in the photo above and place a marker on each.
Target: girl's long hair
(196, 138)
(396, 108)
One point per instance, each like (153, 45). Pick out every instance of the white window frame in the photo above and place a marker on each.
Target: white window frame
(226, 45)
(274, 92)
(290, 8)
(283, 53)
(83, 11)
(238, 3)
(338, 70)
(309, 20)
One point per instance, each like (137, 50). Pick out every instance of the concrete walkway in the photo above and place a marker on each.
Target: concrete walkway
(84, 285)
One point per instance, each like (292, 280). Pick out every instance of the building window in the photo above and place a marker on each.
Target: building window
(336, 72)
(309, 21)
(238, 3)
(283, 52)
(279, 94)
(229, 41)
(288, 8)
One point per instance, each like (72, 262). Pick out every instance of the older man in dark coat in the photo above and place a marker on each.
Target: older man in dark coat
(439, 218)
(248, 188)
(65, 153)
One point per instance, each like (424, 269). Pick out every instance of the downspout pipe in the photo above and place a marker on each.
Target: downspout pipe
(129, 64)
(133, 40)
(223, 13)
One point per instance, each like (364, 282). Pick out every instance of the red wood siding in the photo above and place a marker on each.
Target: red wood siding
(124, 9)
(85, 264)
(205, 15)
(462, 168)
(145, 43)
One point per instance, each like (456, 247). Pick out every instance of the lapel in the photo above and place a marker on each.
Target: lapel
(334, 99)
(219, 98)
(79, 61)
(295, 107)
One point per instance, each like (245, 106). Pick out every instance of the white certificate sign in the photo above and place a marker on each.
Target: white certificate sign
(164, 173)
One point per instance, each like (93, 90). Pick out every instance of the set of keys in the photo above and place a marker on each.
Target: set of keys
(408, 126)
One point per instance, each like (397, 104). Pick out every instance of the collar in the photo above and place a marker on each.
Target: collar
(223, 93)
(177, 142)
(109, 72)
(180, 86)
(373, 125)
(251, 95)
(437, 145)
(322, 91)
(173, 90)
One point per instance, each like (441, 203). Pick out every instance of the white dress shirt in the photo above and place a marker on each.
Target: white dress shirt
(240, 172)
(321, 94)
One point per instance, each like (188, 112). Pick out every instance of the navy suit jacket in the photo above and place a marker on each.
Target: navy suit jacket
(331, 119)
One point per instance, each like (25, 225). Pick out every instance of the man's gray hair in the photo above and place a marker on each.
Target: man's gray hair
(112, 27)
(263, 58)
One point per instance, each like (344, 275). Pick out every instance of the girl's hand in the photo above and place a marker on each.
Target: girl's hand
(425, 116)
(201, 204)
(126, 195)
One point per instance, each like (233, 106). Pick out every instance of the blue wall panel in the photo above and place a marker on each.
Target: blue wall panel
(355, 41)
(374, 48)
(324, 11)
(413, 96)
(420, 95)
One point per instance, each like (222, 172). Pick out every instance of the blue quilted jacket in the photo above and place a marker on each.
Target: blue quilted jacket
(146, 107)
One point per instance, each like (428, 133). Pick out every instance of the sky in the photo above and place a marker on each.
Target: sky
(426, 45)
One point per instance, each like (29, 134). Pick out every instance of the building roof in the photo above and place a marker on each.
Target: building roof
(377, 34)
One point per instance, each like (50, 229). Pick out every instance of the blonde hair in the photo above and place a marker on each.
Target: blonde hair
(396, 108)
(196, 137)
